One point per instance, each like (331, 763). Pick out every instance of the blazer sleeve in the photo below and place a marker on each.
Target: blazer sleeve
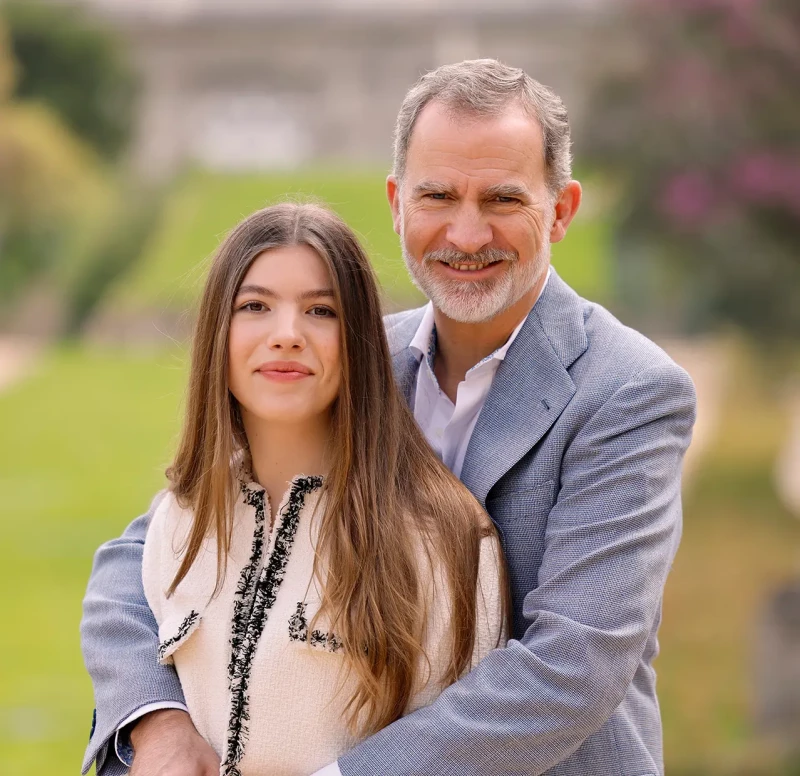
(609, 543)
(119, 640)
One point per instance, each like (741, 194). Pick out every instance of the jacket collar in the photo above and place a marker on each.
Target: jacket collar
(530, 390)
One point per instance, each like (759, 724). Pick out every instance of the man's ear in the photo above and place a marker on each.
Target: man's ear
(393, 195)
(567, 206)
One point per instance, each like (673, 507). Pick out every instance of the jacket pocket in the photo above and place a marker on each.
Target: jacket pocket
(174, 632)
(528, 503)
(317, 638)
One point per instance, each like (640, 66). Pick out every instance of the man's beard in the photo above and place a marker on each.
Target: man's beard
(475, 301)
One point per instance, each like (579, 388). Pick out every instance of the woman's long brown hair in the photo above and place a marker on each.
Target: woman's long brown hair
(387, 494)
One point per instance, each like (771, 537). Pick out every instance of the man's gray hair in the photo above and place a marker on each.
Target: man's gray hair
(485, 87)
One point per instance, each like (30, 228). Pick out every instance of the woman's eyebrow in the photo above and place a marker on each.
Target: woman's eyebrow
(316, 293)
(252, 288)
(312, 293)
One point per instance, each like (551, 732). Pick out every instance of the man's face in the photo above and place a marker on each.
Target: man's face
(473, 211)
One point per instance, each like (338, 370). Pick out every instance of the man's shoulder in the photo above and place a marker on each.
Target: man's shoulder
(617, 354)
(393, 320)
(401, 327)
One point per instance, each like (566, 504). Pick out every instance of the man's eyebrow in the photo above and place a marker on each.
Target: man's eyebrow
(313, 293)
(506, 190)
(433, 187)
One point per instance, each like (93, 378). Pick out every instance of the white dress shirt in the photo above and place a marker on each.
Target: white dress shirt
(447, 426)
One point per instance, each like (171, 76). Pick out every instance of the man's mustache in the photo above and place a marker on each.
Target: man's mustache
(485, 256)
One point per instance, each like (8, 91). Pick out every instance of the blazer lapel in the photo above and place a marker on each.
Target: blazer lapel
(530, 390)
(400, 330)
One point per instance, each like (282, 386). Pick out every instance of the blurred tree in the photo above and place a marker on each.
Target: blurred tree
(703, 134)
(76, 67)
(47, 177)
(115, 245)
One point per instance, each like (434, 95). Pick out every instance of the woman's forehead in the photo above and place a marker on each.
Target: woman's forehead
(288, 268)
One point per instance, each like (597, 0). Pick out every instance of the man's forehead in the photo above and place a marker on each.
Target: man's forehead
(495, 148)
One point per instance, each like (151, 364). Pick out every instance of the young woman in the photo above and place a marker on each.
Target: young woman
(315, 571)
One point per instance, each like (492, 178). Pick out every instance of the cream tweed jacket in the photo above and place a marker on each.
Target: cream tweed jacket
(267, 694)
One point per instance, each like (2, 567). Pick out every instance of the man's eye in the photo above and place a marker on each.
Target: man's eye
(322, 312)
(507, 200)
(438, 195)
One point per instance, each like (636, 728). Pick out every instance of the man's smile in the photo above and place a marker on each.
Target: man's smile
(477, 271)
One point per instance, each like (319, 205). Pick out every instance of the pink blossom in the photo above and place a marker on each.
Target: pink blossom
(738, 28)
(706, 5)
(769, 179)
(687, 200)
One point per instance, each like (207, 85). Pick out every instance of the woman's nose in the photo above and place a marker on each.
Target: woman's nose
(286, 333)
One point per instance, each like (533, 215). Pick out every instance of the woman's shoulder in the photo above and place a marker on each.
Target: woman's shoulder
(167, 515)
(167, 512)
(165, 544)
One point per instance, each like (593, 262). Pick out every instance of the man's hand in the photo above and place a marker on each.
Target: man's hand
(166, 743)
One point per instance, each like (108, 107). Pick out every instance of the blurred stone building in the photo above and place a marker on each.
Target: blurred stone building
(264, 84)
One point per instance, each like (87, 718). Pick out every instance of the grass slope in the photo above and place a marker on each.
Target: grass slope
(203, 207)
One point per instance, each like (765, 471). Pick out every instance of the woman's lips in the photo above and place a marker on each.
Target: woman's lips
(284, 371)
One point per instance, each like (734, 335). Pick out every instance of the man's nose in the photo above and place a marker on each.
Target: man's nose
(469, 231)
(286, 332)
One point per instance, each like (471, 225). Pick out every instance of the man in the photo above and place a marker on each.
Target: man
(567, 426)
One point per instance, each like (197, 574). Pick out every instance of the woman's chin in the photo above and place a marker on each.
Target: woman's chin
(283, 414)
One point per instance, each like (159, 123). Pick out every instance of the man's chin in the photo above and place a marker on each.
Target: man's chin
(479, 309)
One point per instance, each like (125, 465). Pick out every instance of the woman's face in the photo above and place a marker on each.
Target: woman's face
(284, 346)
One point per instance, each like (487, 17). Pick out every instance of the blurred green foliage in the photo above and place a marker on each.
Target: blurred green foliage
(69, 220)
(67, 488)
(116, 245)
(76, 68)
(703, 134)
(48, 178)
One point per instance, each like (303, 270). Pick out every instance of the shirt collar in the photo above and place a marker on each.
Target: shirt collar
(424, 341)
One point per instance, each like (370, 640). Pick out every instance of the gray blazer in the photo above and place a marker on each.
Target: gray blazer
(577, 458)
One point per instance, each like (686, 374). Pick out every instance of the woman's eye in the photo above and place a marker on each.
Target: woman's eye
(253, 307)
(322, 311)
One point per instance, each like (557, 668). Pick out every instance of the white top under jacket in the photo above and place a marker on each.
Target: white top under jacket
(260, 688)
(448, 426)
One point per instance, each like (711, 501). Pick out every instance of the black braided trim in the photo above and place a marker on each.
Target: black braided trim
(248, 630)
(183, 630)
(246, 587)
(298, 631)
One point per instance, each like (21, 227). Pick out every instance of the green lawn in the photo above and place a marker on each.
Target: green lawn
(85, 442)
(202, 207)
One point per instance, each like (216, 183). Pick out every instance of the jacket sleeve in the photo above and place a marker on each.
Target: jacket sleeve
(119, 640)
(609, 543)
